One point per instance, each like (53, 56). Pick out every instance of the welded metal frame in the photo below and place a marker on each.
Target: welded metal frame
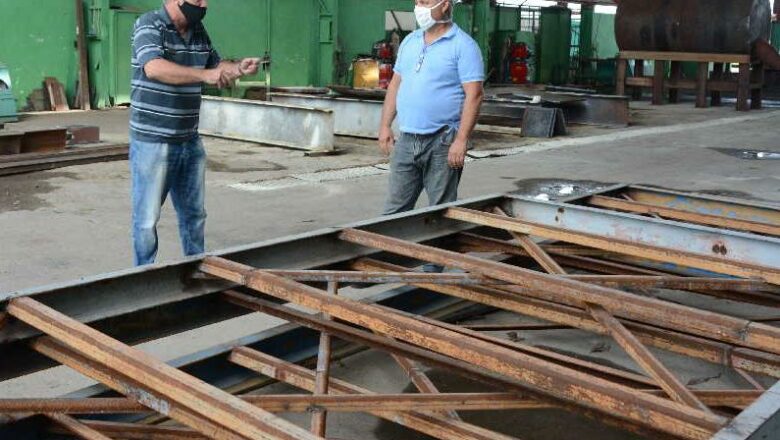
(339, 248)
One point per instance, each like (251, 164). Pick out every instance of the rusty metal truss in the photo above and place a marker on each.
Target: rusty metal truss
(587, 263)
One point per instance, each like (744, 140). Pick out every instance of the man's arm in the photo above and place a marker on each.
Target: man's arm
(389, 111)
(468, 120)
(171, 73)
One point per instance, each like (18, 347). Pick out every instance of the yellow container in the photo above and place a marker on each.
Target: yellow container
(366, 74)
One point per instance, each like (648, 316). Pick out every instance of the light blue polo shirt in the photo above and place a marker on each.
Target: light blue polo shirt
(432, 77)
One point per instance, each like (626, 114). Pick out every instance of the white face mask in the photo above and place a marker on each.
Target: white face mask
(425, 16)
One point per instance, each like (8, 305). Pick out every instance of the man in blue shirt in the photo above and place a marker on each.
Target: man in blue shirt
(172, 58)
(436, 93)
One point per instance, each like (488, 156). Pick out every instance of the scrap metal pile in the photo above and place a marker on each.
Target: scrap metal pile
(589, 263)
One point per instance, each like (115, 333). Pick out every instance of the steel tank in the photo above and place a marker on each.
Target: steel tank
(705, 26)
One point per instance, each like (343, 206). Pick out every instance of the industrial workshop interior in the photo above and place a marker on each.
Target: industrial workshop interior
(389, 219)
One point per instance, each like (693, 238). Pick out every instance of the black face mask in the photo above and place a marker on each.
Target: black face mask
(193, 14)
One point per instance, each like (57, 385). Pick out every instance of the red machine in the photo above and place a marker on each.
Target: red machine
(384, 53)
(518, 65)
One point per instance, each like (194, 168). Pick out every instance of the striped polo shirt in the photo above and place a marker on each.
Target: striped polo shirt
(164, 113)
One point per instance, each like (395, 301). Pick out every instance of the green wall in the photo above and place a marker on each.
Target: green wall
(604, 43)
(38, 38)
(311, 42)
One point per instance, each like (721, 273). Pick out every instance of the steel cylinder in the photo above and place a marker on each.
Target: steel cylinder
(703, 26)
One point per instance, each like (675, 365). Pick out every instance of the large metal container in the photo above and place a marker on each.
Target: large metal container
(705, 26)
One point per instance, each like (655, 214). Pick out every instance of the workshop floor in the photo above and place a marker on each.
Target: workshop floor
(61, 225)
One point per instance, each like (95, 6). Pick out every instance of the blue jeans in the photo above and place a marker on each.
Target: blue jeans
(420, 162)
(157, 170)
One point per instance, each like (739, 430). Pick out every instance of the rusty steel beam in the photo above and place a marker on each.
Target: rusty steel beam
(354, 403)
(687, 216)
(622, 275)
(681, 343)
(421, 381)
(319, 418)
(161, 385)
(77, 428)
(383, 277)
(294, 403)
(534, 250)
(706, 262)
(300, 377)
(574, 293)
(515, 327)
(630, 344)
(542, 376)
(642, 356)
(136, 431)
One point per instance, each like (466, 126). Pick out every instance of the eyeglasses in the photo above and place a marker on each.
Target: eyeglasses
(420, 61)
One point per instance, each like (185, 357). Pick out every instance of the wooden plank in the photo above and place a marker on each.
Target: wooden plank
(688, 216)
(702, 72)
(549, 378)
(642, 356)
(711, 263)
(75, 427)
(659, 75)
(162, 385)
(58, 101)
(685, 56)
(300, 377)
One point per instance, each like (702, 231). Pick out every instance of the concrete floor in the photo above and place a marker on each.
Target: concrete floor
(64, 224)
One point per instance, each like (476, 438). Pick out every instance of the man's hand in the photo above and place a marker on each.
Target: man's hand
(249, 66)
(222, 76)
(457, 156)
(386, 140)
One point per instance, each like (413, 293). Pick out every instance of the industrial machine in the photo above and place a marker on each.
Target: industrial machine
(7, 100)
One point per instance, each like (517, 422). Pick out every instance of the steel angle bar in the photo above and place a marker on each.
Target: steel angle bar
(682, 343)
(77, 428)
(574, 293)
(728, 246)
(352, 117)
(683, 215)
(301, 128)
(729, 207)
(432, 424)
(545, 377)
(205, 408)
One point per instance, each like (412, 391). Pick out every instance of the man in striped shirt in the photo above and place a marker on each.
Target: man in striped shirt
(172, 58)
